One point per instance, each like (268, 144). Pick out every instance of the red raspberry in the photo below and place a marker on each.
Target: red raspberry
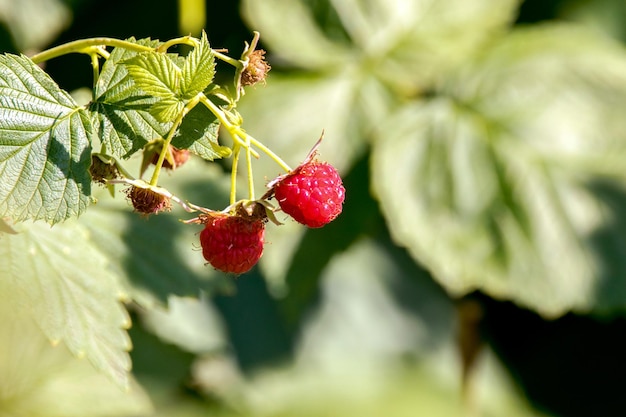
(312, 194)
(233, 243)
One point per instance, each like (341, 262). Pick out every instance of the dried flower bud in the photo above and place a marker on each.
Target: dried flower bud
(102, 171)
(178, 158)
(147, 201)
(257, 68)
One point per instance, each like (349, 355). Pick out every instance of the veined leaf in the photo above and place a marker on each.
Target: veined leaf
(158, 76)
(123, 122)
(60, 280)
(44, 146)
(38, 379)
(198, 70)
(199, 133)
(488, 183)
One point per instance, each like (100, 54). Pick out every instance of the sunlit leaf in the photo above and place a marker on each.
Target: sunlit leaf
(122, 120)
(487, 184)
(198, 70)
(157, 75)
(44, 146)
(58, 279)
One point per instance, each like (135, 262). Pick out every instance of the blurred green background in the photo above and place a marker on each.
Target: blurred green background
(347, 320)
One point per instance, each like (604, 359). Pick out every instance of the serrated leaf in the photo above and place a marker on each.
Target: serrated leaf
(487, 184)
(157, 75)
(38, 379)
(199, 133)
(123, 122)
(44, 146)
(56, 277)
(198, 70)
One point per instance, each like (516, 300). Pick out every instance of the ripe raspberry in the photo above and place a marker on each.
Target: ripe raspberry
(233, 243)
(312, 194)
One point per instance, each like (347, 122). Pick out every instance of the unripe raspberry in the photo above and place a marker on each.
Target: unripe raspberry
(312, 194)
(233, 243)
(147, 201)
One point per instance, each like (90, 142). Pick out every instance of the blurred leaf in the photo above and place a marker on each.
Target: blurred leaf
(34, 23)
(290, 113)
(44, 146)
(192, 324)
(56, 277)
(409, 43)
(306, 45)
(487, 183)
(121, 110)
(37, 379)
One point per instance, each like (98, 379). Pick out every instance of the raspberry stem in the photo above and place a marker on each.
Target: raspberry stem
(87, 46)
(157, 168)
(233, 174)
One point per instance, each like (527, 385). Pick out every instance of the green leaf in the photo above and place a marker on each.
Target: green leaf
(409, 44)
(198, 70)
(307, 45)
(44, 146)
(33, 24)
(487, 184)
(199, 133)
(57, 278)
(124, 124)
(157, 75)
(37, 379)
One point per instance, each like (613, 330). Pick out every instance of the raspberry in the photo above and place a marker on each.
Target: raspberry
(233, 243)
(312, 194)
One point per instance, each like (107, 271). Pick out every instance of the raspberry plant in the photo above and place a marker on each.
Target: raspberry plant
(148, 99)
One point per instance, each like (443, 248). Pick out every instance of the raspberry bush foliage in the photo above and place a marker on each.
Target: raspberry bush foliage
(146, 100)
(462, 152)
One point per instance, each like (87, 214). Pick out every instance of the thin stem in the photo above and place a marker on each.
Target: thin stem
(183, 40)
(232, 61)
(269, 153)
(233, 174)
(85, 46)
(168, 140)
(233, 130)
(95, 65)
(250, 173)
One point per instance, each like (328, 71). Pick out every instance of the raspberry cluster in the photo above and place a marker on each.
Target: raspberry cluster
(312, 194)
